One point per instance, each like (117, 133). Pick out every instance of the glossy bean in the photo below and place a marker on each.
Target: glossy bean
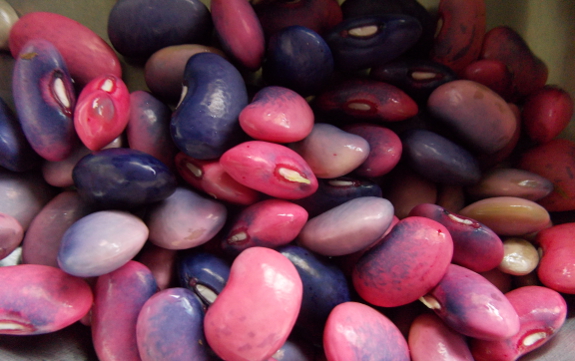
(556, 267)
(492, 73)
(348, 227)
(89, 249)
(374, 335)
(118, 299)
(546, 113)
(263, 285)
(205, 123)
(520, 257)
(204, 274)
(11, 234)
(138, 28)
(384, 279)
(45, 100)
(37, 299)
(16, 153)
(473, 306)
(102, 111)
(270, 168)
(511, 182)
(170, 327)
(86, 54)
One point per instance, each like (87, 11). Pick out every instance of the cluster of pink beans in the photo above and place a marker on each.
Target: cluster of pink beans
(355, 181)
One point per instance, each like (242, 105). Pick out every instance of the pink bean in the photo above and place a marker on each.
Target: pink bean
(11, 234)
(557, 265)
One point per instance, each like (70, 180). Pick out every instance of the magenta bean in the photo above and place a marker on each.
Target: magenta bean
(384, 149)
(277, 114)
(22, 195)
(460, 35)
(511, 182)
(347, 228)
(383, 278)
(475, 246)
(270, 223)
(170, 327)
(332, 152)
(210, 177)
(432, 340)
(367, 99)
(355, 331)
(542, 313)
(45, 100)
(185, 220)
(59, 174)
(257, 309)
(11, 234)
(472, 305)
(492, 73)
(270, 168)
(161, 262)
(38, 299)
(101, 242)
(118, 299)
(239, 31)
(557, 264)
(102, 111)
(42, 240)
(86, 54)
(476, 113)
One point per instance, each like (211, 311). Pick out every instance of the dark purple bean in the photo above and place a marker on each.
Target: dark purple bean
(138, 28)
(205, 124)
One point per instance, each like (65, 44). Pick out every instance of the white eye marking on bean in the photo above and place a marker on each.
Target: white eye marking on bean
(363, 31)
(207, 293)
(533, 338)
(430, 302)
(184, 92)
(60, 91)
(340, 183)
(460, 220)
(423, 75)
(293, 176)
(195, 170)
(11, 326)
(359, 106)
(238, 237)
(108, 85)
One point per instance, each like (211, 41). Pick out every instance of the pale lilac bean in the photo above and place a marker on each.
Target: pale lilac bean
(185, 220)
(257, 309)
(347, 228)
(11, 234)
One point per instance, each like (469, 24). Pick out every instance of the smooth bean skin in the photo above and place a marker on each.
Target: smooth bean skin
(374, 335)
(148, 127)
(277, 114)
(475, 246)
(459, 39)
(299, 59)
(185, 220)
(16, 153)
(505, 44)
(476, 113)
(9, 17)
(170, 327)
(164, 70)
(492, 73)
(417, 77)
(546, 113)
(511, 182)
(239, 31)
(209, 176)
(203, 273)
(366, 99)
(508, 216)
(37, 299)
(542, 313)
(347, 228)
(331, 152)
(263, 286)
(432, 340)
(102, 111)
(333, 192)
(269, 223)
(324, 287)
(270, 168)
(295, 350)
(122, 178)
(43, 237)
(138, 28)
(101, 242)
(118, 299)
(92, 58)
(11, 234)
(161, 262)
(556, 267)
(360, 43)
(520, 257)
(439, 159)
(205, 124)
(44, 99)
(384, 279)
(59, 173)
(473, 306)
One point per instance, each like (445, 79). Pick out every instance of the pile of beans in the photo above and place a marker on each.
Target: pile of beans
(303, 180)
